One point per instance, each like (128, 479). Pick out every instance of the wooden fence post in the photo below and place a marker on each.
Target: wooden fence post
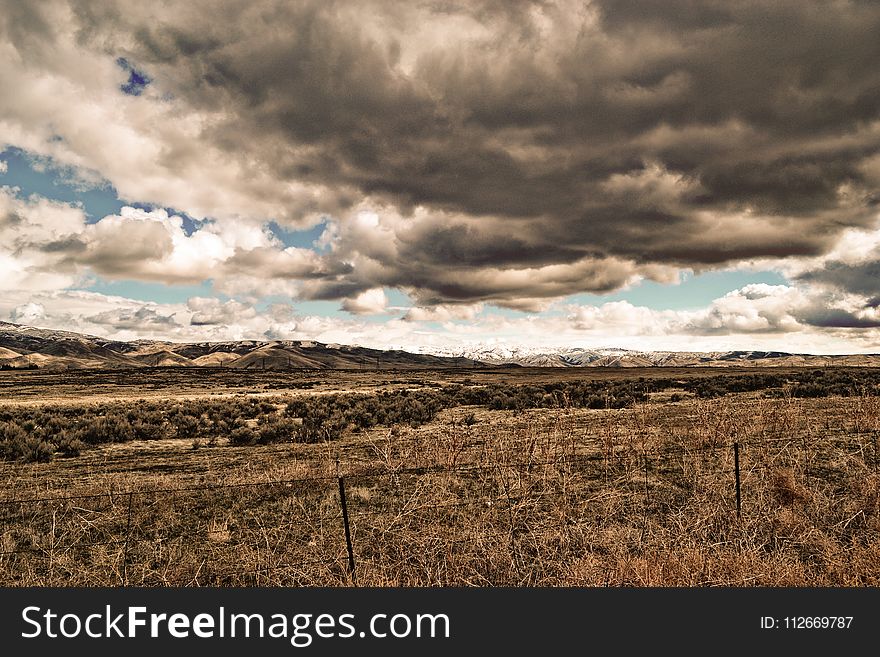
(125, 548)
(348, 546)
(874, 440)
(736, 473)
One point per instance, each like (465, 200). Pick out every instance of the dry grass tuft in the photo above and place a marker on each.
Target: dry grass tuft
(786, 489)
(218, 531)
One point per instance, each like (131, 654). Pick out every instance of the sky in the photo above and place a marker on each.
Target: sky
(689, 175)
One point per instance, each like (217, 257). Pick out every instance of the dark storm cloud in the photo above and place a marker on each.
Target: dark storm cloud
(458, 245)
(328, 290)
(861, 278)
(69, 245)
(300, 264)
(680, 133)
(837, 318)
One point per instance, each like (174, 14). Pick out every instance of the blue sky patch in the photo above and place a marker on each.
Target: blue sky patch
(303, 239)
(41, 176)
(695, 291)
(397, 298)
(155, 292)
(137, 80)
(24, 172)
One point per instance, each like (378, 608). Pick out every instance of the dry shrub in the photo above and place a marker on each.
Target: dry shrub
(864, 413)
(820, 549)
(218, 531)
(787, 523)
(785, 488)
(867, 495)
(864, 564)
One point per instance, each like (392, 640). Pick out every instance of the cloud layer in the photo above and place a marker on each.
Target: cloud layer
(466, 153)
(605, 136)
(754, 317)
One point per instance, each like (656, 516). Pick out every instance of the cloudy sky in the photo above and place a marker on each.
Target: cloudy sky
(651, 174)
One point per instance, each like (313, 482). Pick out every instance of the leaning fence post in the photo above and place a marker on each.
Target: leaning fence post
(347, 530)
(736, 474)
(874, 440)
(125, 548)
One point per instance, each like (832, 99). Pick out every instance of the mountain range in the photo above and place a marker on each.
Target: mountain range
(23, 347)
(613, 357)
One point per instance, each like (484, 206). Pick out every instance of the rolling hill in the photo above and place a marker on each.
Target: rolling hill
(24, 347)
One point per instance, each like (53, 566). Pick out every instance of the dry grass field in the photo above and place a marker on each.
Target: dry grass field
(532, 486)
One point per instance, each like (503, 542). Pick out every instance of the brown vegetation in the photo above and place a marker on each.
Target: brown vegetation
(641, 495)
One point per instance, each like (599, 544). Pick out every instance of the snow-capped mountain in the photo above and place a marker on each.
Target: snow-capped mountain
(617, 357)
(28, 347)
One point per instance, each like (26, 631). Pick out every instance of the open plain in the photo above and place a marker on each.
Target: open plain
(474, 477)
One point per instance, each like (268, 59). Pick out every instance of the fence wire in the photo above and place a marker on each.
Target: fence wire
(636, 472)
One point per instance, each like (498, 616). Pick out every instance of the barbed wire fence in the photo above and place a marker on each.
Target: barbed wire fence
(331, 528)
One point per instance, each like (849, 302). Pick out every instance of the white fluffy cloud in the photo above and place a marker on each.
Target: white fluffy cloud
(369, 302)
(27, 225)
(47, 245)
(210, 312)
(757, 308)
(28, 313)
(443, 313)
